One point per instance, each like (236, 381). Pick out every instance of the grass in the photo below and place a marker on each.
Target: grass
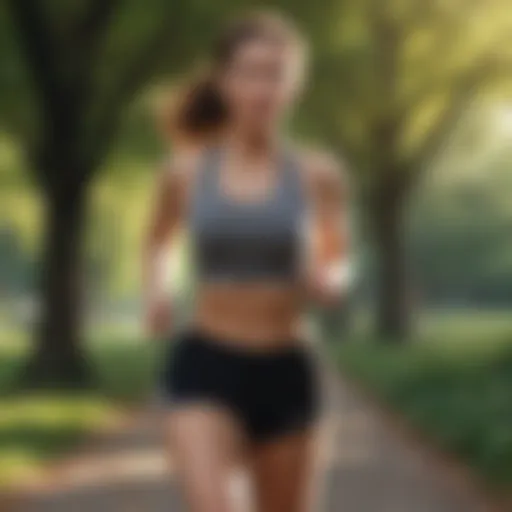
(454, 384)
(38, 427)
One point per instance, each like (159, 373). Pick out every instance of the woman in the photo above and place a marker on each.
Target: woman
(241, 383)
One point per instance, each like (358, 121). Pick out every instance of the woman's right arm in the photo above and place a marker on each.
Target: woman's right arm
(164, 221)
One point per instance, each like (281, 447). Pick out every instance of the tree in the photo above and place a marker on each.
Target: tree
(78, 65)
(392, 81)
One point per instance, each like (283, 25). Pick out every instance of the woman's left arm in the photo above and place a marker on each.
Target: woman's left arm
(330, 269)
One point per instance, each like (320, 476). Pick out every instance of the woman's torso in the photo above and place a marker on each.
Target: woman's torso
(248, 253)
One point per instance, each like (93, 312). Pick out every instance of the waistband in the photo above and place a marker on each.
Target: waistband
(238, 349)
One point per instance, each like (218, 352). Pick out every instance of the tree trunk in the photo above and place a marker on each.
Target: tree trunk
(393, 315)
(58, 359)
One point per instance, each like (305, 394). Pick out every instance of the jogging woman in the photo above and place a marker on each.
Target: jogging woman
(265, 222)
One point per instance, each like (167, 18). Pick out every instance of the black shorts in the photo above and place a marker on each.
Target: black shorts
(271, 394)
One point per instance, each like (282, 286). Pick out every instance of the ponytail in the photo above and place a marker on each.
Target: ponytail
(197, 113)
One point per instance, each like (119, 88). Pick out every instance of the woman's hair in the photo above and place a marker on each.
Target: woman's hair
(198, 112)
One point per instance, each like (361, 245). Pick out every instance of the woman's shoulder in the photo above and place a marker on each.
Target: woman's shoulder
(322, 170)
(179, 169)
(180, 164)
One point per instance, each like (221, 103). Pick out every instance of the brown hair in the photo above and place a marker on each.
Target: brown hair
(198, 112)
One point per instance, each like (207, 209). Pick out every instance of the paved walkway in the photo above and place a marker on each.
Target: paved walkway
(368, 468)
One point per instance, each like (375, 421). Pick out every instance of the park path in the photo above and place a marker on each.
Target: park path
(369, 467)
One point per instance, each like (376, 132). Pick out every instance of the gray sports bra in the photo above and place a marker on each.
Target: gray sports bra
(235, 240)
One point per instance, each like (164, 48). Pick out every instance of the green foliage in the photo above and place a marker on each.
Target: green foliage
(393, 78)
(37, 427)
(126, 368)
(16, 267)
(459, 232)
(454, 386)
(393, 81)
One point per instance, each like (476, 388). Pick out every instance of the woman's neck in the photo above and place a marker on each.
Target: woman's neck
(252, 144)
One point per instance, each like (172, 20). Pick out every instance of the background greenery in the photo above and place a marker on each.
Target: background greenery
(414, 95)
(453, 385)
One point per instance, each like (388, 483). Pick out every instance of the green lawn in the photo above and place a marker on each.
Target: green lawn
(38, 427)
(454, 384)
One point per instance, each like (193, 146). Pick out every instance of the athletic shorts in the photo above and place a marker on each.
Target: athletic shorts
(272, 394)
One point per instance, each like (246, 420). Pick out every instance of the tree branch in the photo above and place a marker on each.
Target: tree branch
(486, 61)
(439, 134)
(138, 71)
(463, 92)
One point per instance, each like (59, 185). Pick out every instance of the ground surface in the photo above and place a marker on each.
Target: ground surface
(369, 467)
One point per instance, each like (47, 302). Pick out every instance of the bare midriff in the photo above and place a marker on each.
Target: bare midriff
(259, 316)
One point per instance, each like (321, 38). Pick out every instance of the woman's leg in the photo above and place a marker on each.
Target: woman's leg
(284, 474)
(204, 443)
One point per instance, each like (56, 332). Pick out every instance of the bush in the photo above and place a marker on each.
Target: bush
(459, 394)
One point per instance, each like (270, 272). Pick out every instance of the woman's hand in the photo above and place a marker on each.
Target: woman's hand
(329, 272)
(327, 284)
(158, 320)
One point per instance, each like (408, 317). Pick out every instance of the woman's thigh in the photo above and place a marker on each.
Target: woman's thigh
(284, 473)
(205, 444)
